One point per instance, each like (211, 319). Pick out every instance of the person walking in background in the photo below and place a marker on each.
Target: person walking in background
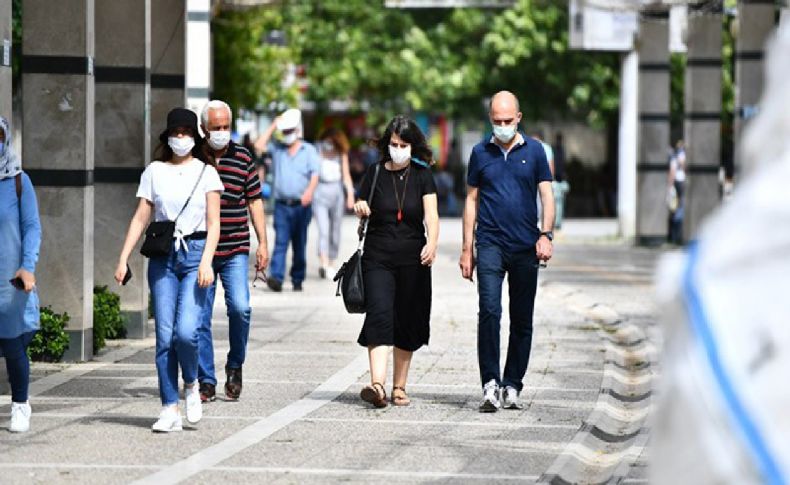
(231, 259)
(334, 194)
(20, 240)
(296, 168)
(182, 188)
(560, 184)
(676, 183)
(504, 177)
(538, 135)
(397, 256)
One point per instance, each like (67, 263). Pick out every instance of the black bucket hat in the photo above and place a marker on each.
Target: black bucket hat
(178, 117)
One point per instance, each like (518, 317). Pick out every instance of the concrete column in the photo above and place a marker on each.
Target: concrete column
(5, 108)
(58, 111)
(756, 19)
(627, 148)
(168, 19)
(198, 53)
(5, 60)
(703, 118)
(122, 148)
(652, 213)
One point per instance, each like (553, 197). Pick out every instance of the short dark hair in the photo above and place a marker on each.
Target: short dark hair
(409, 132)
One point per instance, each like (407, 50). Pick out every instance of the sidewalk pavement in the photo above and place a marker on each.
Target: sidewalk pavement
(300, 419)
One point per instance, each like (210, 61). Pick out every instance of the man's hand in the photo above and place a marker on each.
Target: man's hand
(307, 198)
(261, 257)
(544, 249)
(467, 264)
(28, 279)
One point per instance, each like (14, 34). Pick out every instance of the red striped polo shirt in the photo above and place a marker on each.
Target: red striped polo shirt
(238, 174)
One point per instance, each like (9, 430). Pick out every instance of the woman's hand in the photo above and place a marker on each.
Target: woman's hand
(428, 254)
(28, 279)
(361, 209)
(120, 272)
(205, 275)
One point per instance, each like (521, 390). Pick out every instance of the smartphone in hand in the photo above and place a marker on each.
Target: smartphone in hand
(128, 275)
(18, 283)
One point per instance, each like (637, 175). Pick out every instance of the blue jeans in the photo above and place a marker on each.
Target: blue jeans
(290, 225)
(232, 271)
(17, 364)
(492, 264)
(179, 305)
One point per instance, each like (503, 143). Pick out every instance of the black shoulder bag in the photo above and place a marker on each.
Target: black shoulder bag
(349, 277)
(159, 235)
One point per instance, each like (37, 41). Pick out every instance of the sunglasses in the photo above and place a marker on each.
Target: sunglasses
(259, 275)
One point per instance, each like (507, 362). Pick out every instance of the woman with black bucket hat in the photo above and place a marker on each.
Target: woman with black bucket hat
(181, 189)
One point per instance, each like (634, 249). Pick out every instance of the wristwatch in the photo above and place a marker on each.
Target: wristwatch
(548, 234)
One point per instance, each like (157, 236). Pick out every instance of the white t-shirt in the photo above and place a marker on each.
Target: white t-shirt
(330, 169)
(167, 186)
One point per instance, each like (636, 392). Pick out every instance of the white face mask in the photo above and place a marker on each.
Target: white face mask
(290, 138)
(327, 147)
(400, 156)
(504, 133)
(218, 139)
(181, 146)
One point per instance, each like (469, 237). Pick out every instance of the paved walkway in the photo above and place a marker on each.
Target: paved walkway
(300, 419)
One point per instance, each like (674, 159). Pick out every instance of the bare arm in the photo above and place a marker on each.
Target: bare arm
(263, 141)
(307, 196)
(259, 224)
(544, 247)
(467, 262)
(430, 209)
(136, 227)
(347, 182)
(212, 227)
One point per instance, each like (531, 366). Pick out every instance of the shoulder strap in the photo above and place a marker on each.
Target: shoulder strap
(191, 193)
(18, 182)
(370, 204)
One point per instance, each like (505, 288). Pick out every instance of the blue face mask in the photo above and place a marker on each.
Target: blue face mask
(504, 133)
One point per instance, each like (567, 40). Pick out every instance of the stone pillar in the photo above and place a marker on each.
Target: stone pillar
(168, 19)
(122, 148)
(703, 118)
(652, 214)
(627, 145)
(756, 19)
(57, 150)
(198, 54)
(5, 60)
(5, 108)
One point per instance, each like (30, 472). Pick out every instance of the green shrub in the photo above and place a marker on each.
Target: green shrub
(51, 341)
(108, 321)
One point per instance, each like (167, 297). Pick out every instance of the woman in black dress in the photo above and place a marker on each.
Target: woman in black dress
(398, 256)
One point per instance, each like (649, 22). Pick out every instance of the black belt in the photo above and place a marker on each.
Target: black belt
(196, 236)
(289, 202)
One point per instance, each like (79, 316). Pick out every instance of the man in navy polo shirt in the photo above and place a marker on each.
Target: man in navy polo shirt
(505, 175)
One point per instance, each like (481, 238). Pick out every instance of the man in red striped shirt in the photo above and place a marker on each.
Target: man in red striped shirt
(231, 260)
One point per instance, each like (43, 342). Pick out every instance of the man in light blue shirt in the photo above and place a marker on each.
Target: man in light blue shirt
(295, 166)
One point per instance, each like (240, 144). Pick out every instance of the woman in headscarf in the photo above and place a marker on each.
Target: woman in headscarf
(20, 239)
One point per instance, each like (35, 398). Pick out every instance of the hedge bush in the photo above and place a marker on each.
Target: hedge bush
(108, 321)
(51, 341)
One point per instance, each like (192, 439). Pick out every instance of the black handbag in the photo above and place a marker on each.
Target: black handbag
(350, 280)
(159, 234)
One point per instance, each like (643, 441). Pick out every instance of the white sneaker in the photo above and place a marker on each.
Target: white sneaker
(510, 398)
(490, 402)
(20, 417)
(194, 405)
(169, 420)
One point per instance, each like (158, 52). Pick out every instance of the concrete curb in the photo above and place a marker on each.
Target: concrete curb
(613, 436)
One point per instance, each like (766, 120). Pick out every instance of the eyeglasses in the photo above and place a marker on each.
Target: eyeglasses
(259, 275)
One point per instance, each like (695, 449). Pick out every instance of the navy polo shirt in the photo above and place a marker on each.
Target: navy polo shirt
(507, 214)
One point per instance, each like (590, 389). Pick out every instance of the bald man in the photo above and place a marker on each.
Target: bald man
(505, 176)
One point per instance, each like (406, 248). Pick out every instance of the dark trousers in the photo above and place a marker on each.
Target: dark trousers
(290, 226)
(522, 272)
(17, 364)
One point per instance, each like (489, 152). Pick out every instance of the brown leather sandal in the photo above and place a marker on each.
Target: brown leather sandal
(375, 395)
(399, 396)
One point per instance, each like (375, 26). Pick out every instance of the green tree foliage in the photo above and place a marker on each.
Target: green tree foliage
(437, 60)
(108, 321)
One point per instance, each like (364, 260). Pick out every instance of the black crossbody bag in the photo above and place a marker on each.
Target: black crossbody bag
(349, 277)
(159, 235)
